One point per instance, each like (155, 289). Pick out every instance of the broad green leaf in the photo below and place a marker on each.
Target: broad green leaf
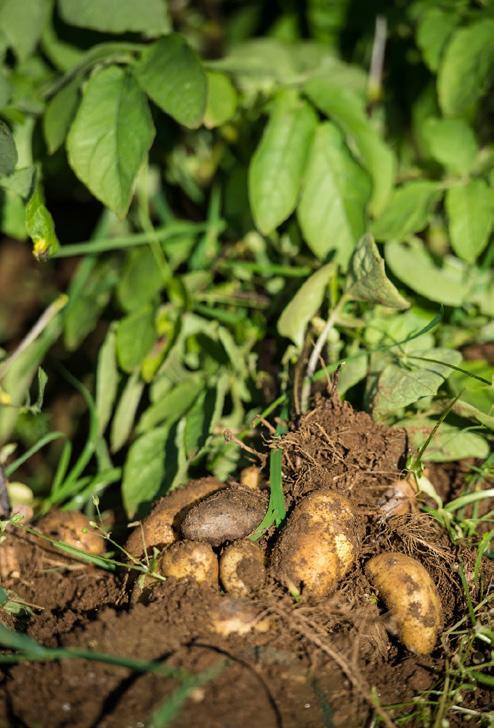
(222, 100)
(335, 191)
(59, 114)
(126, 411)
(452, 143)
(21, 182)
(202, 417)
(40, 227)
(448, 443)
(476, 398)
(106, 379)
(12, 215)
(144, 470)
(141, 279)
(276, 169)
(23, 23)
(400, 385)
(450, 283)
(110, 136)
(352, 371)
(343, 106)
(135, 337)
(408, 210)
(384, 328)
(470, 210)
(89, 293)
(305, 304)
(116, 16)
(466, 68)
(8, 152)
(170, 73)
(173, 405)
(367, 280)
(60, 53)
(433, 32)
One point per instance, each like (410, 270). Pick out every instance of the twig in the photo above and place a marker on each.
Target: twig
(374, 85)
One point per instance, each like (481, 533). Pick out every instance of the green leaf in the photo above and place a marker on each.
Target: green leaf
(116, 16)
(40, 227)
(466, 68)
(135, 336)
(106, 379)
(305, 304)
(367, 280)
(452, 143)
(343, 106)
(335, 191)
(412, 264)
(173, 405)
(8, 152)
(23, 23)
(408, 210)
(202, 417)
(222, 100)
(59, 114)
(476, 399)
(110, 136)
(172, 75)
(144, 470)
(470, 210)
(89, 293)
(352, 371)
(141, 279)
(126, 412)
(21, 182)
(433, 32)
(402, 384)
(276, 169)
(448, 443)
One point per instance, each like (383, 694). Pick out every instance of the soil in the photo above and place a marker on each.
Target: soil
(298, 664)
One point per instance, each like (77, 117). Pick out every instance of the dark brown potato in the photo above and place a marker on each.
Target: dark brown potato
(228, 515)
(242, 569)
(411, 595)
(73, 528)
(318, 544)
(158, 528)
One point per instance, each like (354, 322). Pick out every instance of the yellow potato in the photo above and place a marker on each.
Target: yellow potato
(412, 598)
(318, 544)
(73, 528)
(192, 559)
(157, 529)
(242, 568)
(237, 616)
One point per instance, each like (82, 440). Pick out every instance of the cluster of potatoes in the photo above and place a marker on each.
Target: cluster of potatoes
(201, 530)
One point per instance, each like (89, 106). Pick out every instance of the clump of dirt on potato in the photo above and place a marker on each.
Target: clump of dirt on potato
(279, 660)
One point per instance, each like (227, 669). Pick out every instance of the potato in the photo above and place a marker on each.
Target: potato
(242, 569)
(250, 477)
(74, 529)
(227, 515)
(190, 559)
(237, 616)
(399, 498)
(157, 529)
(318, 544)
(412, 598)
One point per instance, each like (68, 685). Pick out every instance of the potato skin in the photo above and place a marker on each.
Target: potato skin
(410, 594)
(227, 515)
(242, 569)
(237, 616)
(157, 529)
(73, 528)
(318, 544)
(190, 559)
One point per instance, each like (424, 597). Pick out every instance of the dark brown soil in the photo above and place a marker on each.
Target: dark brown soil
(301, 665)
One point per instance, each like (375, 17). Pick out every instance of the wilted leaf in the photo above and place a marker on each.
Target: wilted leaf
(40, 227)
(408, 210)
(305, 304)
(368, 280)
(335, 191)
(144, 470)
(470, 209)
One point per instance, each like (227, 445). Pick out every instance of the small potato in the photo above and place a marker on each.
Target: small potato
(227, 515)
(242, 569)
(412, 598)
(318, 544)
(74, 529)
(250, 477)
(190, 559)
(399, 498)
(236, 616)
(157, 529)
